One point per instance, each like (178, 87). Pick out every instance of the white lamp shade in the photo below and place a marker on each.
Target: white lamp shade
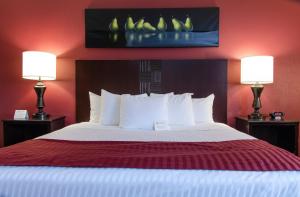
(257, 70)
(39, 65)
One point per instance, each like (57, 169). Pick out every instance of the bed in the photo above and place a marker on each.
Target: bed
(229, 163)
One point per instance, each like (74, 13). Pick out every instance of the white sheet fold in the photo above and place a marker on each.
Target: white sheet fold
(111, 182)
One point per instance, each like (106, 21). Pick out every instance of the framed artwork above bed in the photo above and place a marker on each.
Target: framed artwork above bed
(159, 27)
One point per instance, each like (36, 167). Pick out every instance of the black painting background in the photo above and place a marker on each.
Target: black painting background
(97, 22)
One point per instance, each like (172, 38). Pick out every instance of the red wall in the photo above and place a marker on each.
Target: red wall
(253, 27)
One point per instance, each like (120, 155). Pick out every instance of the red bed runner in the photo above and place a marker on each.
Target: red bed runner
(254, 155)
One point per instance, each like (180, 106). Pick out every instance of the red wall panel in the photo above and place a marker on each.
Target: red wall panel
(252, 27)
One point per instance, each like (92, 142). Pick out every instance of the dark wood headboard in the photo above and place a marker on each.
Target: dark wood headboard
(201, 77)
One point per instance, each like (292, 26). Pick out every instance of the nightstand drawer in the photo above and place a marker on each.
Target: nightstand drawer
(16, 131)
(283, 134)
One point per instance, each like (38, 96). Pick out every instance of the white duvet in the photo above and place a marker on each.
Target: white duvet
(121, 182)
(206, 132)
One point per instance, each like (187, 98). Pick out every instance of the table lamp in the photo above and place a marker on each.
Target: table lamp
(257, 70)
(39, 66)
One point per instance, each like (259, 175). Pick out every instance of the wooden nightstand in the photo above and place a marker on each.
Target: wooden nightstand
(16, 131)
(283, 134)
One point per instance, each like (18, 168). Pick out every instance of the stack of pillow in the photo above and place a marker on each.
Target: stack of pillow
(143, 111)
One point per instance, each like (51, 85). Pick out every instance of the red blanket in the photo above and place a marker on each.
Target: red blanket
(254, 155)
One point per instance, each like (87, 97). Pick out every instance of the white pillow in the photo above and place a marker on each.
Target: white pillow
(143, 112)
(95, 107)
(181, 110)
(110, 107)
(203, 109)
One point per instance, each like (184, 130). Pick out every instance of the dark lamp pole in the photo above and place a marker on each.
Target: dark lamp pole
(256, 105)
(40, 89)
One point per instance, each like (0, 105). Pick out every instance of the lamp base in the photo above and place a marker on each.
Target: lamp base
(256, 90)
(40, 89)
(255, 116)
(40, 116)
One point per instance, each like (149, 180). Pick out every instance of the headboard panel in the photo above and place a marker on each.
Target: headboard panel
(201, 77)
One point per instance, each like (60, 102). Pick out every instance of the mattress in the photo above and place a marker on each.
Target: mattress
(117, 182)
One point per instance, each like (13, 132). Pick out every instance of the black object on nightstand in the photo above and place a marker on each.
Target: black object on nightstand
(282, 133)
(16, 131)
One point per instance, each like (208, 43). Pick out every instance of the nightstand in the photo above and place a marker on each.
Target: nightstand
(16, 131)
(283, 133)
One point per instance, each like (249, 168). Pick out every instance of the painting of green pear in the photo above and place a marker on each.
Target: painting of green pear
(188, 25)
(162, 25)
(140, 25)
(151, 28)
(113, 26)
(129, 26)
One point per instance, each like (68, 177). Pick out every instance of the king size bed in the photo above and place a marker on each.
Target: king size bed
(208, 158)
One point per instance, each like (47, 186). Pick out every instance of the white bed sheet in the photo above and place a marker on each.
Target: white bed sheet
(206, 132)
(122, 182)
